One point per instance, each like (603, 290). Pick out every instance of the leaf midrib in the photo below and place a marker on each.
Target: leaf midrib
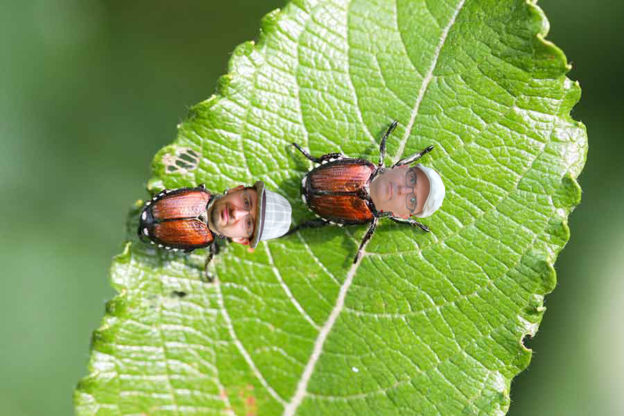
(301, 390)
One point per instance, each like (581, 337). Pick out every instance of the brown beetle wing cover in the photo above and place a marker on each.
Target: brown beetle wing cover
(331, 190)
(346, 209)
(188, 233)
(346, 175)
(188, 203)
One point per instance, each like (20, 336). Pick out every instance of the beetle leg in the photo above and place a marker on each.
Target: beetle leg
(324, 158)
(382, 145)
(213, 250)
(384, 214)
(306, 154)
(411, 222)
(317, 223)
(413, 158)
(367, 237)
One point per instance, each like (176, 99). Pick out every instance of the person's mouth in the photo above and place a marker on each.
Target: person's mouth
(225, 215)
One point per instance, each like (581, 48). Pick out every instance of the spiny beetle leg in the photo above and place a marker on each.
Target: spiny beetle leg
(367, 237)
(321, 159)
(382, 145)
(317, 223)
(413, 158)
(213, 250)
(411, 222)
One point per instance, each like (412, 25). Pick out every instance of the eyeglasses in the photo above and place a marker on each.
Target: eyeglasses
(410, 181)
(249, 219)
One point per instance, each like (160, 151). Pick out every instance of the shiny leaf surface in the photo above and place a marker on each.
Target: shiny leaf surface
(428, 324)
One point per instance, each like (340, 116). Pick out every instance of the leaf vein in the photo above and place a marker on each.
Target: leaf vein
(426, 82)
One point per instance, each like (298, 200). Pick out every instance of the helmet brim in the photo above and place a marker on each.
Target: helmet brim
(260, 210)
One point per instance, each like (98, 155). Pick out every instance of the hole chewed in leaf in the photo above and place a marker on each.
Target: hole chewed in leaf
(183, 160)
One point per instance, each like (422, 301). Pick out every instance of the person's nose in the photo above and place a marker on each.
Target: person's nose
(238, 213)
(403, 190)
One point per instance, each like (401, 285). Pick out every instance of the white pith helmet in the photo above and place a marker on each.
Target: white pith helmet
(436, 192)
(273, 215)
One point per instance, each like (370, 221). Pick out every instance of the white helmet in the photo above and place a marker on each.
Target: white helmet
(272, 215)
(436, 192)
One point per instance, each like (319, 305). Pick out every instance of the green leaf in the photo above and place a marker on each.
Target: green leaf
(427, 324)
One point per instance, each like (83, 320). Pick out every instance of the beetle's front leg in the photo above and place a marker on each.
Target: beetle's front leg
(382, 145)
(413, 158)
(213, 250)
(411, 222)
(384, 214)
(367, 237)
(321, 159)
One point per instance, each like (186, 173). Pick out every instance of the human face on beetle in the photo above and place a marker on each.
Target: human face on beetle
(401, 190)
(234, 214)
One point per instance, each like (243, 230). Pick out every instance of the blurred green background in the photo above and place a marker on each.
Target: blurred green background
(90, 90)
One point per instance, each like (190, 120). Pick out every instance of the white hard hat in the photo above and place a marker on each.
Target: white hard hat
(272, 217)
(436, 192)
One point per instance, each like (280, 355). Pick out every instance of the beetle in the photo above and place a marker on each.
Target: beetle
(190, 218)
(177, 220)
(338, 191)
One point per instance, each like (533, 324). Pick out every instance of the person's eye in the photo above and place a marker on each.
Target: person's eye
(411, 178)
(247, 203)
(249, 225)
